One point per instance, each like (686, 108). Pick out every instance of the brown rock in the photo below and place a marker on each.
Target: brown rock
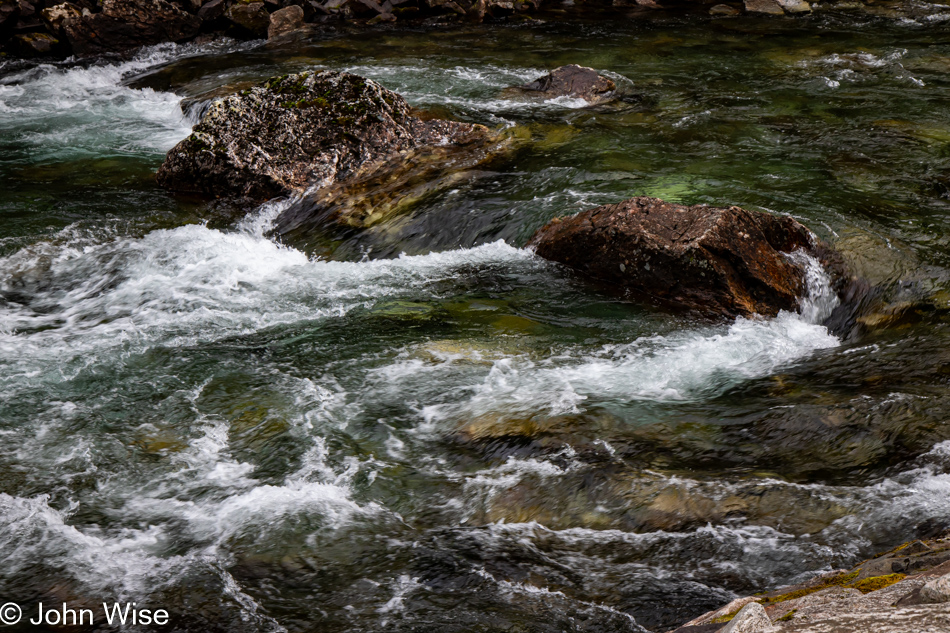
(769, 7)
(251, 16)
(723, 9)
(718, 261)
(573, 81)
(284, 21)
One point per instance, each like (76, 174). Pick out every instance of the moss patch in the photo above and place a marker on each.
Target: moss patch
(877, 582)
(788, 616)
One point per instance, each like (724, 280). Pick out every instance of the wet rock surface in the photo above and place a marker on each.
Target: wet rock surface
(846, 601)
(574, 81)
(715, 261)
(354, 144)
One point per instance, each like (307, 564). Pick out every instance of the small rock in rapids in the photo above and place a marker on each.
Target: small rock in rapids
(717, 261)
(575, 81)
(751, 619)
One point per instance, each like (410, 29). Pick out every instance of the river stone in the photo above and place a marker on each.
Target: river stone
(575, 81)
(314, 130)
(125, 24)
(251, 16)
(284, 21)
(34, 44)
(936, 591)
(717, 261)
(723, 9)
(750, 619)
(769, 7)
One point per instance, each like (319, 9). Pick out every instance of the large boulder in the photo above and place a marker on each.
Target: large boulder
(574, 81)
(126, 24)
(337, 136)
(717, 261)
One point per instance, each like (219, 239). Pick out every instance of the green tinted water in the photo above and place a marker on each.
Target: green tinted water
(467, 438)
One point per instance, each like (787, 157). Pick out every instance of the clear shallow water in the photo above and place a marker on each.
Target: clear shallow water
(465, 437)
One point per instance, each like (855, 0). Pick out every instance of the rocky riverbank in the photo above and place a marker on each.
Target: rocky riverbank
(905, 590)
(55, 29)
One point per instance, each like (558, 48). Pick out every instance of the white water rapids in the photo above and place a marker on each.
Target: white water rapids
(192, 400)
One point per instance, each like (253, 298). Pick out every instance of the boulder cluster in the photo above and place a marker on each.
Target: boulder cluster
(53, 28)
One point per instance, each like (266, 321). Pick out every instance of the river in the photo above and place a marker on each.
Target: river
(425, 427)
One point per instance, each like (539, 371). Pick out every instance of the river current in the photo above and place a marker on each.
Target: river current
(428, 428)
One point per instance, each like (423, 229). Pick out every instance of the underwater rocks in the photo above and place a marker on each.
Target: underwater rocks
(715, 261)
(574, 81)
(848, 601)
(341, 138)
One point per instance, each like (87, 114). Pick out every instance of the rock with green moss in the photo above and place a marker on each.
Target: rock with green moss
(355, 148)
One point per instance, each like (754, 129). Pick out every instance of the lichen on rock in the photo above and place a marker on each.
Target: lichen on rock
(352, 145)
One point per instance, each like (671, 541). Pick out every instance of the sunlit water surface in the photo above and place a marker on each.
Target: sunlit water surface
(434, 430)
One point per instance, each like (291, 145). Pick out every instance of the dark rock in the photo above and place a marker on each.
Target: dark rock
(284, 21)
(34, 44)
(26, 9)
(9, 12)
(573, 81)
(126, 24)
(211, 10)
(345, 137)
(717, 261)
(252, 17)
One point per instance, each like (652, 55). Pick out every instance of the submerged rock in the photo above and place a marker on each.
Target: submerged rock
(352, 145)
(575, 81)
(717, 261)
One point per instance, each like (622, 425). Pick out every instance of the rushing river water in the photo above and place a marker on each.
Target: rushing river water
(427, 428)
